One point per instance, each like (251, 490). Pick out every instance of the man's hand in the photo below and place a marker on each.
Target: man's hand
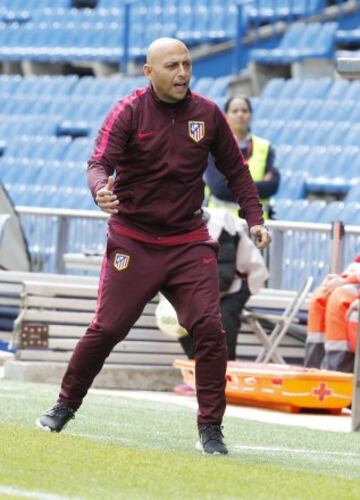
(330, 282)
(106, 199)
(261, 236)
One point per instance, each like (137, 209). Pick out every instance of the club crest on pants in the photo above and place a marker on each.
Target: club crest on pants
(121, 261)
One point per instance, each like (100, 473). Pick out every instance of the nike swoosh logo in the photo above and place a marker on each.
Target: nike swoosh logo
(142, 135)
(207, 261)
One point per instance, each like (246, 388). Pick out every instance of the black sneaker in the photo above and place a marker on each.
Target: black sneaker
(55, 419)
(211, 440)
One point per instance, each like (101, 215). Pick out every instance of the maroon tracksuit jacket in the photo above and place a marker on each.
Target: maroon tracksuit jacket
(159, 162)
(158, 240)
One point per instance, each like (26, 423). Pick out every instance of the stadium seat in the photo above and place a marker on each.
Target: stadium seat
(351, 213)
(332, 212)
(353, 91)
(270, 11)
(301, 41)
(273, 88)
(348, 36)
(338, 89)
(203, 85)
(219, 88)
(314, 88)
(353, 194)
(290, 88)
(292, 186)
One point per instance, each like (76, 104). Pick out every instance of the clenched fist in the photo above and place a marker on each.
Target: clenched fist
(261, 236)
(106, 199)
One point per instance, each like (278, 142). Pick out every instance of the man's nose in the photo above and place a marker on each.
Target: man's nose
(182, 70)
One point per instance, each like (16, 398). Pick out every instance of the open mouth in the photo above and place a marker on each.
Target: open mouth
(181, 86)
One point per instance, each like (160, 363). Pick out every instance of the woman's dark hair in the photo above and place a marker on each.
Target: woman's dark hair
(243, 98)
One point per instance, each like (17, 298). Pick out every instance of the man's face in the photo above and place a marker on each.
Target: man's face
(169, 70)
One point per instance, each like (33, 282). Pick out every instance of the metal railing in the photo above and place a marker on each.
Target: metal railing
(298, 249)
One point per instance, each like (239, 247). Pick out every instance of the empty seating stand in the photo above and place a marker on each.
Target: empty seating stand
(265, 11)
(300, 41)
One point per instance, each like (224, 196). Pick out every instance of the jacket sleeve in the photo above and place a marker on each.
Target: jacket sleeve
(269, 186)
(109, 146)
(229, 160)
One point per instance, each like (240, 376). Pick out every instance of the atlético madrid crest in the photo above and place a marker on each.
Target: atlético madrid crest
(121, 261)
(196, 130)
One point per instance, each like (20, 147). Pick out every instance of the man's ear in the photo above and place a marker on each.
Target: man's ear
(147, 71)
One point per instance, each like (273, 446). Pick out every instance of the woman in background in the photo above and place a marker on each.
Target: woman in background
(258, 153)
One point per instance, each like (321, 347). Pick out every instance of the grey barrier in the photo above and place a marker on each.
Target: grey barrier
(298, 249)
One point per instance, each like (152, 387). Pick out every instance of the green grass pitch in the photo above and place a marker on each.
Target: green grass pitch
(121, 448)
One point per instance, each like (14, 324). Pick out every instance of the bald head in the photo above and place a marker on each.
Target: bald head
(168, 67)
(160, 47)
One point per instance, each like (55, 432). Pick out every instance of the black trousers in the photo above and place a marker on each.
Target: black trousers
(231, 306)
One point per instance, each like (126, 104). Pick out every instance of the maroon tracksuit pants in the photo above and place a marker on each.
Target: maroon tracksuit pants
(187, 275)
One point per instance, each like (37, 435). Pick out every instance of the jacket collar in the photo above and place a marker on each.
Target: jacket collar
(168, 106)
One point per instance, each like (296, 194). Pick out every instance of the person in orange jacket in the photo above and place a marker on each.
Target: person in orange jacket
(353, 322)
(328, 344)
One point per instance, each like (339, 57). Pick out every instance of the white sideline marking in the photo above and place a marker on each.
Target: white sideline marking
(325, 422)
(39, 495)
(296, 450)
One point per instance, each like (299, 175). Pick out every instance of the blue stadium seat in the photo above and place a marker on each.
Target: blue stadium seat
(353, 91)
(314, 211)
(338, 89)
(332, 212)
(295, 157)
(79, 150)
(270, 11)
(43, 148)
(289, 133)
(273, 88)
(261, 127)
(220, 101)
(263, 108)
(289, 40)
(282, 156)
(292, 185)
(301, 41)
(337, 111)
(352, 138)
(314, 88)
(203, 85)
(312, 110)
(339, 170)
(272, 131)
(291, 109)
(351, 213)
(348, 36)
(282, 109)
(289, 89)
(353, 194)
(219, 88)
(336, 133)
(289, 209)
(9, 83)
(46, 85)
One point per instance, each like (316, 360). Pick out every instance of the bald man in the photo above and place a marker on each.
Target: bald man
(146, 171)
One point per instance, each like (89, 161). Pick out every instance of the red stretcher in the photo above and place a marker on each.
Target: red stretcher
(282, 387)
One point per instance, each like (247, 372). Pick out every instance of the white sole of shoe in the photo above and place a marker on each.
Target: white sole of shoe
(199, 447)
(43, 427)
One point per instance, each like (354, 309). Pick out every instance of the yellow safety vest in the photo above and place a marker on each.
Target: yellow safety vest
(257, 167)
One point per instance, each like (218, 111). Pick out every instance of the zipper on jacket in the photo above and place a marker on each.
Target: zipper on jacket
(173, 135)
